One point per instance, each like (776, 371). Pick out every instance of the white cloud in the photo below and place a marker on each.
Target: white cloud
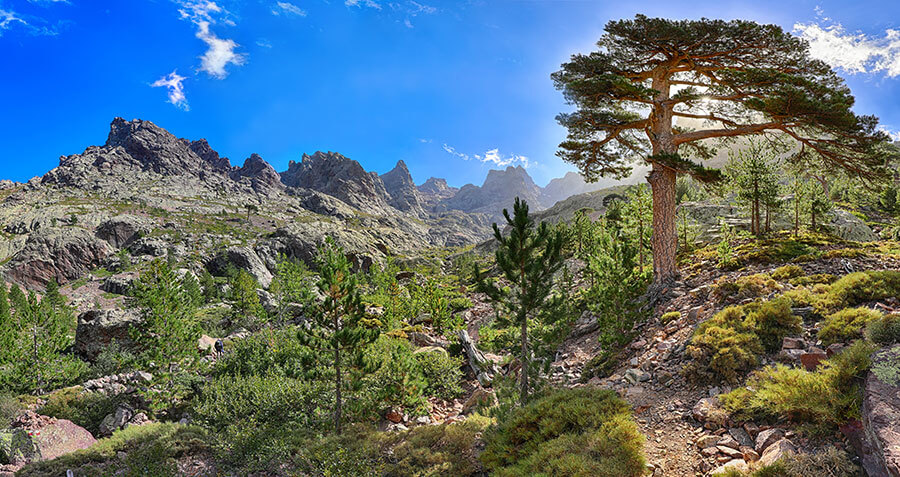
(175, 84)
(288, 9)
(894, 135)
(220, 53)
(7, 19)
(492, 156)
(363, 3)
(853, 52)
(420, 8)
(408, 23)
(264, 43)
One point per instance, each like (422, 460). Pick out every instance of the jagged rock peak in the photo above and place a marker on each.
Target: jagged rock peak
(338, 176)
(402, 191)
(437, 186)
(155, 149)
(260, 172)
(208, 154)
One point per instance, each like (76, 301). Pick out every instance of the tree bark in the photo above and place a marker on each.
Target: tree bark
(664, 239)
(337, 381)
(524, 397)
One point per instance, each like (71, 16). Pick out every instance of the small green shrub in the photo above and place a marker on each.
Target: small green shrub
(847, 324)
(723, 347)
(884, 330)
(86, 409)
(670, 316)
(434, 451)
(750, 286)
(460, 304)
(771, 321)
(10, 407)
(787, 272)
(822, 399)
(860, 287)
(567, 433)
(818, 278)
(442, 374)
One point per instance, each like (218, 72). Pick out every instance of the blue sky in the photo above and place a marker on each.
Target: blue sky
(453, 88)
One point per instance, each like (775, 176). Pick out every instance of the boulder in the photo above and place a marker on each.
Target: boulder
(850, 227)
(122, 230)
(206, 344)
(881, 413)
(776, 451)
(119, 284)
(60, 254)
(768, 437)
(33, 437)
(244, 258)
(116, 420)
(812, 359)
(98, 328)
(734, 464)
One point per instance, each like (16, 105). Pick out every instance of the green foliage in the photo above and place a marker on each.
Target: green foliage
(209, 286)
(442, 374)
(847, 324)
(291, 288)
(567, 433)
(528, 259)
(750, 286)
(730, 343)
(460, 303)
(150, 450)
(822, 399)
(114, 359)
(860, 287)
(724, 250)
(245, 301)
(753, 174)
(395, 377)
(168, 331)
(669, 317)
(787, 272)
(638, 220)
(193, 290)
(10, 407)
(885, 330)
(338, 326)
(84, 408)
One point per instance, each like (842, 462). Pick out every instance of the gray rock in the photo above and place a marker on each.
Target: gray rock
(122, 230)
(881, 413)
(243, 258)
(776, 451)
(402, 192)
(766, 438)
(61, 254)
(119, 284)
(98, 328)
(116, 420)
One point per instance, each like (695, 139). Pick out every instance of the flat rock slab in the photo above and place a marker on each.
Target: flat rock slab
(41, 438)
(881, 412)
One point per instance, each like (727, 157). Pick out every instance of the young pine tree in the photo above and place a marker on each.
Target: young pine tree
(169, 331)
(7, 328)
(527, 258)
(753, 174)
(45, 334)
(639, 219)
(246, 305)
(338, 326)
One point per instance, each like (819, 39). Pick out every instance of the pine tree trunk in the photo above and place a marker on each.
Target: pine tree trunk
(664, 239)
(337, 381)
(524, 395)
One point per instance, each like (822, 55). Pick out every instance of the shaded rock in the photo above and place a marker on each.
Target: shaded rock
(881, 412)
(768, 437)
(243, 258)
(61, 254)
(116, 420)
(485, 370)
(122, 230)
(402, 191)
(792, 343)
(479, 397)
(435, 190)
(741, 437)
(340, 177)
(261, 174)
(98, 328)
(119, 284)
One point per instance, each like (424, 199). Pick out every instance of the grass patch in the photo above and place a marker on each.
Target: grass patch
(847, 324)
(567, 433)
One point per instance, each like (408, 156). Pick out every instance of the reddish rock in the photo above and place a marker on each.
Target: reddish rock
(881, 413)
(812, 360)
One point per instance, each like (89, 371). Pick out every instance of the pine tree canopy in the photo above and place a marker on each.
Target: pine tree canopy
(738, 77)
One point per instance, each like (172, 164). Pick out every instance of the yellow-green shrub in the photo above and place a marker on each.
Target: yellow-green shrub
(750, 286)
(787, 272)
(819, 278)
(823, 399)
(860, 287)
(570, 432)
(771, 321)
(847, 324)
(669, 317)
(884, 330)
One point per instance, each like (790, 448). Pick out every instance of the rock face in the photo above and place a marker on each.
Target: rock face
(570, 184)
(402, 190)
(435, 190)
(208, 154)
(61, 254)
(98, 328)
(122, 230)
(244, 258)
(260, 173)
(337, 176)
(499, 190)
(33, 437)
(881, 413)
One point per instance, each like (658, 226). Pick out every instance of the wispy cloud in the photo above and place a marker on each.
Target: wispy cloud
(219, 54)
(45, 2)
(8, 19)
(264, 43)
(175, 84)
(492, 156)
(853, 52)
(287, 8)
(363, 3)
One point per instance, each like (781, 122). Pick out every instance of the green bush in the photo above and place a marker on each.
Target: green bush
(434, 451)
(750, 286)
(723, 346)
(567, 433)
(669, 317)
(822, 399)
(149, 450)
(847, 324)
(818, 278)
(771, 321)
(86, 409)
(269, 352)
(395, 377)
(442, 374)
(884, 330)
(860, 287)
(787, 272)
(460, 304)
(10, 407)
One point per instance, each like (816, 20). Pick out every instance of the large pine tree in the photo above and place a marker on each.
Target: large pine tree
(735, 78)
